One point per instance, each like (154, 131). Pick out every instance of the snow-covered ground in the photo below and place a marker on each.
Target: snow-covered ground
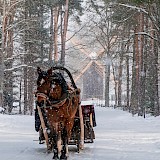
(119, 136)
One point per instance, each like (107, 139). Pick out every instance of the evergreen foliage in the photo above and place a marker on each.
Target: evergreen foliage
(127, 30)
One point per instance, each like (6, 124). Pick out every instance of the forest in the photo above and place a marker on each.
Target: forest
(37, 32)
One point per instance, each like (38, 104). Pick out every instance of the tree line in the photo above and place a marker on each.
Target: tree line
(131, 40)
(34, 33)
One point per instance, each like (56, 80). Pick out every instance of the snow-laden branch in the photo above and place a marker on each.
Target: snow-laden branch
(12, 6)
(17, 67)
(139, 9)
(126, 19)
(146, 34)
(140, 33)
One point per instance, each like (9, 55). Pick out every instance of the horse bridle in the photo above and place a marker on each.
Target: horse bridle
(51, 105)
(46, 97)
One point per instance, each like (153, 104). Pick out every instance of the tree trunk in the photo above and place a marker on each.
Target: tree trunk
(107, 79)
(56, 16)
(159, 77)
(51, 36)
(116, 84)
(154, 74)
(2, 51)
(64, 33)
(120, 75)
(25, 74)
(20, 96)
(137, 69)
(133, 104)
(128, 90)
(120, 83)
(141, 66)
(25, 90)
(30, 90)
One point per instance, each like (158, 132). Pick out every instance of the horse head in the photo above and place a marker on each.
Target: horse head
(51, 86)
(43, 86)
(56, 89)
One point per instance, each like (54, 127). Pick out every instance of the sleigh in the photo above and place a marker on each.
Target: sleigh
(84, 122)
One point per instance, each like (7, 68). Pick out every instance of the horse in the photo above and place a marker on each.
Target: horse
(60, 104)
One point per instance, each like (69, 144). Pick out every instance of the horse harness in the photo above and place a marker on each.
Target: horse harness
(58, 103)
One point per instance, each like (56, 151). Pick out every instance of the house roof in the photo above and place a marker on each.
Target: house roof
(79, 58)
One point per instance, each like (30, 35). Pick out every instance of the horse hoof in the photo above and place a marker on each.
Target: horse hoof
(49, 151)
(41, 142)
(55, 158)
(63, 157)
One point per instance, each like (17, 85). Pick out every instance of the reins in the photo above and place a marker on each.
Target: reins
(41, 95)
(54, 105)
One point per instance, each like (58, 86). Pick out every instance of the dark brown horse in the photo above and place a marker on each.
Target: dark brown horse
(60, 104)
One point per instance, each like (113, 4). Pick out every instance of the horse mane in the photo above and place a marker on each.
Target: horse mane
(62, 81)
(69, 74)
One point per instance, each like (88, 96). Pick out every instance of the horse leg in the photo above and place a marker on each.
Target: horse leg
(55, 147)
(64, 143)
(50, 140)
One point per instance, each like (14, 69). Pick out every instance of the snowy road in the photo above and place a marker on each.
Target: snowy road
(119, 136)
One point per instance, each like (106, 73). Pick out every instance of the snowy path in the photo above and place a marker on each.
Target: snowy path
(119, 136)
